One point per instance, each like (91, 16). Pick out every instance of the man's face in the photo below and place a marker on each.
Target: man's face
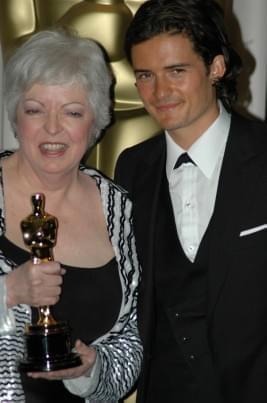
(175, 86)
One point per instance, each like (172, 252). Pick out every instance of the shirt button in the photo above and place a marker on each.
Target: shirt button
(188, 204)
(177, 315)
(191, 248)
(185, 339)
(192, 357)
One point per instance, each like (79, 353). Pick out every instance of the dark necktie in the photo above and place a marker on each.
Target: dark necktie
(183, 159)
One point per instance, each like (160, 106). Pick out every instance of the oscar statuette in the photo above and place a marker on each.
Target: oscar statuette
(47, 343)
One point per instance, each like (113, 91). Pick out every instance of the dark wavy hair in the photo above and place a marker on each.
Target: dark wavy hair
(202, 21)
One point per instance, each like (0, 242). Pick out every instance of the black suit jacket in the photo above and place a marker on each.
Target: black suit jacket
(237, 279)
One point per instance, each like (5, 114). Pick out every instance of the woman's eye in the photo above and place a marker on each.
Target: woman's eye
(31, 111)
(74, 114)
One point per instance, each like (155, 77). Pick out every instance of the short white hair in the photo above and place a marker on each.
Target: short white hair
(55, 57)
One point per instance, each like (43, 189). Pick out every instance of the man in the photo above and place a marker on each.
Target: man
(200, 222)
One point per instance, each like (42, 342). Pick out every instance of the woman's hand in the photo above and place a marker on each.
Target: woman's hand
(88, 357)
(34, 284)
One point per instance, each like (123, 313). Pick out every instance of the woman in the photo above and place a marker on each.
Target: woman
(57, 89)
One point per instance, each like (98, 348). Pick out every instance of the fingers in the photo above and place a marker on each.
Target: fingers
(87, 354)
(61, 374)
(35, 284)
(45, 283)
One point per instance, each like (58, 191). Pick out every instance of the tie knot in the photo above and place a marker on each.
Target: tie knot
(183, 159)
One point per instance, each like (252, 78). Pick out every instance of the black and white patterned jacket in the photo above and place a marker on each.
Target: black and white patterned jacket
(119, 350)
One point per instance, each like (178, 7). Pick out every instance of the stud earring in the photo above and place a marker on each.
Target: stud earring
(214, 80)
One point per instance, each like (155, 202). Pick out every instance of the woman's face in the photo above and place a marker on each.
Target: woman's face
(53, 126)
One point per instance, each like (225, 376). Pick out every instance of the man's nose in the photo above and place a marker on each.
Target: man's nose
(161, 87)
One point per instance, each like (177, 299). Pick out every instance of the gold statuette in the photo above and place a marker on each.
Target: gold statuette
(48, 346)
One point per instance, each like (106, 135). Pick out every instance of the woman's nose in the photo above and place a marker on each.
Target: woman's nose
(52, 124)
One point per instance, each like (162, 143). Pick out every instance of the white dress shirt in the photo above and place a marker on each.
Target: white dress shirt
(192, 187)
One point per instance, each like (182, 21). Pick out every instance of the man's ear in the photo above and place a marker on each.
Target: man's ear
(217, 68)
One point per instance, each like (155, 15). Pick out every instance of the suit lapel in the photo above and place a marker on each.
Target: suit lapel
(148, 208)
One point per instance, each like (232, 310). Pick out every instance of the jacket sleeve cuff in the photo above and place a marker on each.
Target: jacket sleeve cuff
(7, 319)
(85, 385)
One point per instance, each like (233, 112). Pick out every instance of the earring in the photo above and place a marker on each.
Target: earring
(214, 80)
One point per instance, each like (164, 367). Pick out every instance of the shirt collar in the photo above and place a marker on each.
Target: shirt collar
(206, 150)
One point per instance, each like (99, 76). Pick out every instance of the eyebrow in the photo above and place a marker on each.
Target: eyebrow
(177, 65)
(141, 71)
(42, 103)
(170, 67)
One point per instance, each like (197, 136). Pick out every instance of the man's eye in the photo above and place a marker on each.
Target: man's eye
(177, 71)
(143, 76)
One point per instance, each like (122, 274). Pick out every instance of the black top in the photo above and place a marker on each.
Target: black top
(90, 301)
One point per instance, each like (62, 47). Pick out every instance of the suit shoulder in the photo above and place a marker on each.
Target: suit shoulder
(248, 124)
(146, 145)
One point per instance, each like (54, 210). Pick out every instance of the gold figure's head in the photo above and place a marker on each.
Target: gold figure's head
(39, 229)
